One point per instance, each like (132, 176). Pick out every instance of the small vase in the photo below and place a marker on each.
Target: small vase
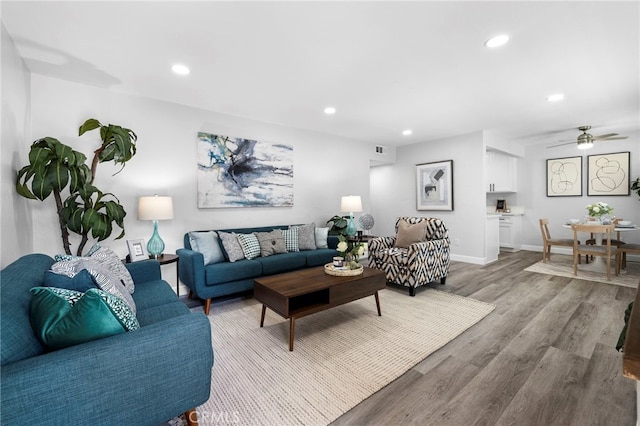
(350, 261)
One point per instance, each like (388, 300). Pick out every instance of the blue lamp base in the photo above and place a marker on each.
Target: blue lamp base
(155, 246)
(351, 227)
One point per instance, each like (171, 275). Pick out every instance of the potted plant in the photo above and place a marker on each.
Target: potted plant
(635, 186)
(54, 167)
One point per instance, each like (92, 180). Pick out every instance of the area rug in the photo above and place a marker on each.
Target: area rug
(562, 265)
(341, 356)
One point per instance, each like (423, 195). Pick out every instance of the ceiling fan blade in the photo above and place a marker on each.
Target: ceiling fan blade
(562, 144)
(613, 139)
(608, 135)
(567, 140)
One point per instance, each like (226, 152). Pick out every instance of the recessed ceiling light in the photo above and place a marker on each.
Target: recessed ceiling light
(180, 69)
(407, 132)
(329, 110)
(555, 97)
(497, 41)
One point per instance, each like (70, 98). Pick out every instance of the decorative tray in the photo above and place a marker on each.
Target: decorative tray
(340, 272)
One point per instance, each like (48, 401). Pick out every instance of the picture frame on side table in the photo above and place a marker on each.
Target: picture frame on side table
(564, 177)
(137, 250)
(608, 174)
(434, 186)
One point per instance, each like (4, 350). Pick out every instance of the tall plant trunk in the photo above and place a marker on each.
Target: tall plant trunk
(63, 227)
(83, 242)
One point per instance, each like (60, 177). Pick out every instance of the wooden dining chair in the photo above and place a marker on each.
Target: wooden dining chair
(614, 242)
(621, 260)
(605, 250)
(547, 241)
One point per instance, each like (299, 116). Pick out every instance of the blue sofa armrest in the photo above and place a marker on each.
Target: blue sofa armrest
(139, 376)
(191, 269)
(144, 270)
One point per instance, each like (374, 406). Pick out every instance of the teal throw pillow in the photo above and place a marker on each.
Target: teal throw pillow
(61, 318)
(82, 281)
(207, 243)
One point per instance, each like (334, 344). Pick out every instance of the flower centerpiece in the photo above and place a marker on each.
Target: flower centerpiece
(599, 209)
(351, 251)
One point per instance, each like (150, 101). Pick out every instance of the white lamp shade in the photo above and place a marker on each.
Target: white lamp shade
(155, 208)
(351, 204)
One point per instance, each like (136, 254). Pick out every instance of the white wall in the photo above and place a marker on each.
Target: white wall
(325, 167)
(532, 190)
(15, 231)
(393, 192)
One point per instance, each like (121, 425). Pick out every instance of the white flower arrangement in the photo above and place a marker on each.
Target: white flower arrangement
(599, 209)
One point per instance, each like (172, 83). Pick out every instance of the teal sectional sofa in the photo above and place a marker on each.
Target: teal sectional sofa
(227, 278)
(143, 377)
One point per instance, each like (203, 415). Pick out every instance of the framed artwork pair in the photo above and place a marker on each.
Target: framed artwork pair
(607, 174)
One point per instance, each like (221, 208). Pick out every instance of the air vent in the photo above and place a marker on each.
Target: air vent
(381, 149)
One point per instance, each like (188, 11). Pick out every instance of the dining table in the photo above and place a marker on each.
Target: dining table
(599, 264)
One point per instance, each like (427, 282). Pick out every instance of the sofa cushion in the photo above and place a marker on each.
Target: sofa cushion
(156, 314)
(250, 245)
(320, 256)
(82, 281)
(291, 239)
(153, 293)
(271, 242)
(307, 236)
(207, 243)
(321, 237)
(224, 272)
(62, 318)
(18, 341)
(282, 263)
(232, 248)
(410, 233)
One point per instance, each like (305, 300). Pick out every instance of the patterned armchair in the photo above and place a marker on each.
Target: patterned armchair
(417, 255)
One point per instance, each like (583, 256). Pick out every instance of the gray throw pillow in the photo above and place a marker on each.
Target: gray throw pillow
(321, 237)
(410, 233)
(307, 236)
(231, 245)
(112, 262)
(208, 244)
(107, 280)
(271, 242)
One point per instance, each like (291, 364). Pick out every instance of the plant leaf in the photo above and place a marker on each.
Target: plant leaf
(88, 125)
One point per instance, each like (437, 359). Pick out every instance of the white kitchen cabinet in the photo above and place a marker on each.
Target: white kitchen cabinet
(500, 172)
(510, 230)
(492, 239)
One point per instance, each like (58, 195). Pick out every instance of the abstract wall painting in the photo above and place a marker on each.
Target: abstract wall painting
(564, 177)
(434, 186)
(237, 172)
(608, 174)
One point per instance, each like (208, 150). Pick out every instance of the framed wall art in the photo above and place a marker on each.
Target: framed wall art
(564, 177)
(237, 172)
(434, 186)
(608, 174)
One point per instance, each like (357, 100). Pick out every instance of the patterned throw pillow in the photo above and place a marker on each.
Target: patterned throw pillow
(307, 237)
(62, 318)
(112, 261)
(250, 245)
(321, 237)
(208, 244)
(231, 245)
(291, 239)
(107, 280)
(271, 242)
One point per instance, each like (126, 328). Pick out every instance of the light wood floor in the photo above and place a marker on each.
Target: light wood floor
(545, 356)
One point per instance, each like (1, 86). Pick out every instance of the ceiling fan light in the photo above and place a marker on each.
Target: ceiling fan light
(585, 144)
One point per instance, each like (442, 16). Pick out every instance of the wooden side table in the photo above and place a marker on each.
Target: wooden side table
(165, 259)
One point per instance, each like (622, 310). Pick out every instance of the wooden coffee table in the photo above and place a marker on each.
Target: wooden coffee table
(307, 291)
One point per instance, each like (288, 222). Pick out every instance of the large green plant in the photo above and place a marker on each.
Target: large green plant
(54, 167)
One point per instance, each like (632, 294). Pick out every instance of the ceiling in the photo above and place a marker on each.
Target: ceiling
(384, 66)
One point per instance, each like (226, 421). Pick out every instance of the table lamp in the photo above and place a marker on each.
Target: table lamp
(351, 204)
(155, 208)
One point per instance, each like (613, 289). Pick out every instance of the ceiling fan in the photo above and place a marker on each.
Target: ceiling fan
(585, 140)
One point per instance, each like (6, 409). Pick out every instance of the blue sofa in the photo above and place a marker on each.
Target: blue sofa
(142, 377)
(227, 278)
